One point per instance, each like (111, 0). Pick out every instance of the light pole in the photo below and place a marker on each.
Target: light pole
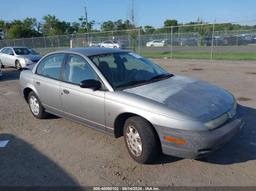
(87, 26)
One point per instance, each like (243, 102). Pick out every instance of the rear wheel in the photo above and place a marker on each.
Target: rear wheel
(18, 65)
(35, 106)
(141, 140)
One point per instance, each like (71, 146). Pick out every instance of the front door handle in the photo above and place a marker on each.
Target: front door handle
(66, 91)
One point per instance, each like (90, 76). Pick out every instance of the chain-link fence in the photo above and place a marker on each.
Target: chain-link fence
(203, 41)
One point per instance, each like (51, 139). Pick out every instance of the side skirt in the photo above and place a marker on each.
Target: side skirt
(105, 130)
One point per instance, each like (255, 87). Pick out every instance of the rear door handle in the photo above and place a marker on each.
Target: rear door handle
(38, 83)
(66, 91)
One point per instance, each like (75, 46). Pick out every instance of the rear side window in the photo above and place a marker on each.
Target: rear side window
(51, 66)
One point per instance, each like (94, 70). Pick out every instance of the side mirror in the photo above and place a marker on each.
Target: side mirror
(91, 84)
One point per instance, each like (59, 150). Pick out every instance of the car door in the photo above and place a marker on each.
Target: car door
(82, 104)
(108, 44)
(157, 43)
(3, 56)
(10, 58)
(46, 81)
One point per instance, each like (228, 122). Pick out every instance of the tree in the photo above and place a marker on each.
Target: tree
(2, 24)
(23, 28)
(171, 23)
(123, 25)
(53, 26)
(107, 26)
(83, 25)
(149, 29)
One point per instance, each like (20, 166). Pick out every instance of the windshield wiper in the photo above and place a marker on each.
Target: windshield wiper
(135, 82)
(161, 76)
(130, 83)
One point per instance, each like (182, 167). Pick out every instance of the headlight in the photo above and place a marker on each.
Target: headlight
(222, 119)
(232, 112)
(217, 122)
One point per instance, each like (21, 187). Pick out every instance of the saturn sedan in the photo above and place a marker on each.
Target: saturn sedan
(19, 57)
(123, 94)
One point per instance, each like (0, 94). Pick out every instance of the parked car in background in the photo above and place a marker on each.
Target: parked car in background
(94, 44)
(156, 43)
(19, 57)
(121, 93)
(189, 41)
(111, 44)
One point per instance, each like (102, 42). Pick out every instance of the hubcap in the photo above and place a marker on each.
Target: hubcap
(18, 66)
(34, 105)
(133, 141)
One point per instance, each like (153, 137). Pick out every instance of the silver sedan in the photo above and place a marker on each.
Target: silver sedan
(19, 57)
(123, 94)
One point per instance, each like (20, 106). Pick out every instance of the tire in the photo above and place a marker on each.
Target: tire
(18, 65)
(141, 140)
(35, 106)
(1, 64)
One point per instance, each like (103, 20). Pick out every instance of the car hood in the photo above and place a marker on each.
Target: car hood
(32, 57)
(196, 99)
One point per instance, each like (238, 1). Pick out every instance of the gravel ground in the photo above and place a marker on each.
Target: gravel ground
(57, 152)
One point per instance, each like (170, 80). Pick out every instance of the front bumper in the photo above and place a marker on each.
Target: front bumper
(199, 144)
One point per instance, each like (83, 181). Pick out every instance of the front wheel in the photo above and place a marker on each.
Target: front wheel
(35, 106)
(1, 64)
(18, 65)
(141, 140)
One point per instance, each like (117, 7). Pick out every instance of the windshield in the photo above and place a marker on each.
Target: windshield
(33, 52)
(21, 51)
(127, 69)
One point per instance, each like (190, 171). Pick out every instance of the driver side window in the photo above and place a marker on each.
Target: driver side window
(77, 70)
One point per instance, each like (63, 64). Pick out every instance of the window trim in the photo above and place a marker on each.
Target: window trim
(61, 67)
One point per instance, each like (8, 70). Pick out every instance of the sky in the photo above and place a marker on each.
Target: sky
(147, 12)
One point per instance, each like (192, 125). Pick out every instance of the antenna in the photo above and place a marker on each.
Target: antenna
(87, 26)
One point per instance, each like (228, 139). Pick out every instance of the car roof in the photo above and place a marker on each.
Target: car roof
(15, 47)
(93, 51)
